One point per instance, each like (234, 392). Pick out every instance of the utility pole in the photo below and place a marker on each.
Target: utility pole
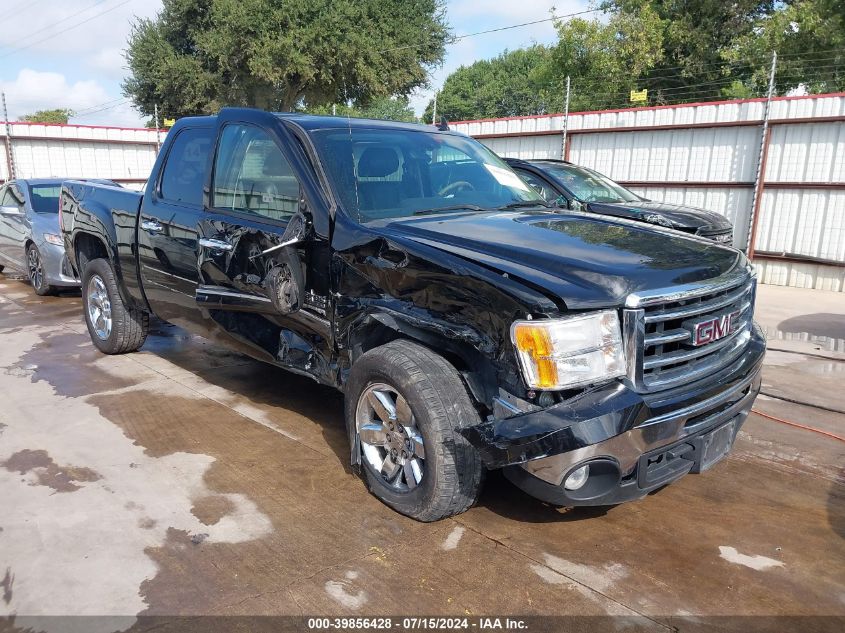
(759, 181)
(565, 121)
(434, 110)
(10, 157)
(334, 109)
(158, 133)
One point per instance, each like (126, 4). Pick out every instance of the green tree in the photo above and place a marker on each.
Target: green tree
(603, 59)
(694, 37)
(58, 115)
(809, 37)
(506, 85)
(199, 55)
(385, 108)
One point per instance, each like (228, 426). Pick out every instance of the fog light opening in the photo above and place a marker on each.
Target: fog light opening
(577, 478)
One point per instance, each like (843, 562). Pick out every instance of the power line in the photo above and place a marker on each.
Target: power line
(98, 106)
(65, 19)
(457, 38)
(73, 26)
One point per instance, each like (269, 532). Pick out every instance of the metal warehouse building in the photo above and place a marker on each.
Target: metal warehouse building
(785, 185)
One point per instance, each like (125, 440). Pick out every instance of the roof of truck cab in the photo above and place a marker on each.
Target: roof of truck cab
(312, 122)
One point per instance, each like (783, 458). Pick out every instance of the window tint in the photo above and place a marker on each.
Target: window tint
(45, 198)
(251, 175)
(392, 173)
(588, 185)
(12, 198)
(184, 172)
(538, 185)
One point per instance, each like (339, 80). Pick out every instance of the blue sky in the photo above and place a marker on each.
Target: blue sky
(69, 53)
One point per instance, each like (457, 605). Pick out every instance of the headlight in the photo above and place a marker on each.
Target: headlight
(54, 239)
(564, 353)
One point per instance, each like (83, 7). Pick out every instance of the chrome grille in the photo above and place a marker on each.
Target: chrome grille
(658, 331)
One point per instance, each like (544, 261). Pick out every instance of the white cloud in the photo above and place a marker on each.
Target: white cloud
(72, 27)
(33, 90)
(110, 62)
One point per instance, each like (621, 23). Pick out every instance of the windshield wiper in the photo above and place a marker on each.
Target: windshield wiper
(454, 207)
(524, 203)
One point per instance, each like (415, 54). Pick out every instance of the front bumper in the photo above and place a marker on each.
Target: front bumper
(638, 442)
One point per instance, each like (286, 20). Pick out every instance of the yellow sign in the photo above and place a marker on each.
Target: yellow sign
(172, 122)
(639, 95)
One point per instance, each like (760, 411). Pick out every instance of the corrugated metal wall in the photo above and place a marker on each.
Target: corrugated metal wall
(125, 155)
(706, 155)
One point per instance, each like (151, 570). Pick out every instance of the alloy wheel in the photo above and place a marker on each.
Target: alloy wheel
(391, 443)
(36, 270)
(99, 307)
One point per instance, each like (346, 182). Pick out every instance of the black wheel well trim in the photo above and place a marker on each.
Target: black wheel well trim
(380, 328)
(100, 250)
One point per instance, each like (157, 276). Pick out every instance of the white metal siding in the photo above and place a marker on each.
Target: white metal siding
(72, 151)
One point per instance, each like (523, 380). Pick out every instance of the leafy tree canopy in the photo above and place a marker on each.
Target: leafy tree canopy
(199, 55)
(386, 108)
(59, 115)
(681, 51)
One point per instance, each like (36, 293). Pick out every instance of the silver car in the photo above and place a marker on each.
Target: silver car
(30, 238)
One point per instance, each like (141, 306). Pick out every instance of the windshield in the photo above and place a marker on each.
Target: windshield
(394, 173)
(45, 198)
(587, 185)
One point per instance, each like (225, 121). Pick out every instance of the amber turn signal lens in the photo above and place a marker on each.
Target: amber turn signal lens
(536, 342)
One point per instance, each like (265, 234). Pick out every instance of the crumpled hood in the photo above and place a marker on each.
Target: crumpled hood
(682, 217)
(581, 259)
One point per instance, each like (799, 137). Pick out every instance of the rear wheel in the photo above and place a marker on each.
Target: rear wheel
(404, 408)
(114, 328)
(35, 268)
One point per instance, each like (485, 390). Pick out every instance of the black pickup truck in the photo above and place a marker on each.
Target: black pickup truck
(469, 325)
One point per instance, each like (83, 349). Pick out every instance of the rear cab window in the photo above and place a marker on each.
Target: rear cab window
(183, 176)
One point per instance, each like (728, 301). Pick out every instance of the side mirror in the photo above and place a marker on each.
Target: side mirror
(10, 210)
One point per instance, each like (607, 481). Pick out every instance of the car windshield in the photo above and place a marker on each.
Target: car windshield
(394, 173)
(587, 185)
(45, 198)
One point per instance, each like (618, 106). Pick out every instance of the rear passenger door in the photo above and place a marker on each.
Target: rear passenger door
(168, 230)
(260, 292)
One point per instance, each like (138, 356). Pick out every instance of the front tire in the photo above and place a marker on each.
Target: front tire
(404, 406)
(35, 268)
(114, 327)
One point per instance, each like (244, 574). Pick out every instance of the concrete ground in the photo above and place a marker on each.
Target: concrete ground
(185, 479)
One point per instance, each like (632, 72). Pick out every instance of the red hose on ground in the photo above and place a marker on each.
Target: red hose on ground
(800, 426)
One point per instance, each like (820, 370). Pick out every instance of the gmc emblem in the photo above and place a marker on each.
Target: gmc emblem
(712, 329)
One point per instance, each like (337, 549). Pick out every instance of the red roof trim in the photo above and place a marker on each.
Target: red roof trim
(662, 107)
(92, 127)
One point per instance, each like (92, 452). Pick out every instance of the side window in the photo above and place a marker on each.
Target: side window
(251, 175)
(538, 185)
(11, 198)
(184, 171)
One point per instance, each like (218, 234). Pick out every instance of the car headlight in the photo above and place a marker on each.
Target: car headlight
(53, 239)
(569, 352)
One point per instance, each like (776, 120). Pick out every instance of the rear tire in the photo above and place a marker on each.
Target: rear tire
(114, 328)
(427, 401)
(35, 269)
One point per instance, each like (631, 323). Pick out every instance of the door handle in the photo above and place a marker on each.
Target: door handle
(152, 226)
(217, 245)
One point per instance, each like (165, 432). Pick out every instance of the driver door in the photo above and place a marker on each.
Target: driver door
(259, 268)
